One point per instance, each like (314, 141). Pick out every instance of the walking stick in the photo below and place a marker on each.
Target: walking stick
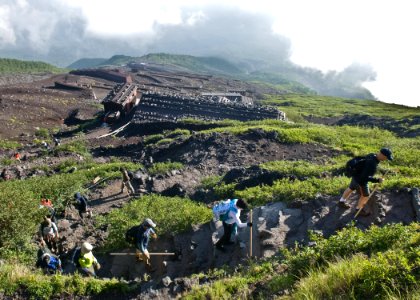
(250, 235)
(370, 195)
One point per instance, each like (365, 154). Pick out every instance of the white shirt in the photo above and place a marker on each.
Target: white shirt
(234, 218)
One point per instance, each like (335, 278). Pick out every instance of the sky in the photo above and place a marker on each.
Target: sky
(328, 35)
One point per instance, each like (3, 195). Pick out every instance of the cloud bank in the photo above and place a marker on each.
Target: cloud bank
(56, 32)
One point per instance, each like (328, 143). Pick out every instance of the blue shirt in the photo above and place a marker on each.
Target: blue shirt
(143, 237)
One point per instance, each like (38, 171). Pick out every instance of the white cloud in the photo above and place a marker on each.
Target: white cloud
(323, 34)
(7, 35)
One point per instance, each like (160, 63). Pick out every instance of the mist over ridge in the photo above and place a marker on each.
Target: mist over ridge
(58, 34)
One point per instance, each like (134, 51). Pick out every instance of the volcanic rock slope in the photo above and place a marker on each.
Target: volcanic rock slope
(235, 158)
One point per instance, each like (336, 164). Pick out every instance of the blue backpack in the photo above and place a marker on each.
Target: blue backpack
(221, 210)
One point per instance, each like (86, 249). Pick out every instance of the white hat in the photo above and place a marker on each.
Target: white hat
(45, 255)
(150, 222)
(86, 247)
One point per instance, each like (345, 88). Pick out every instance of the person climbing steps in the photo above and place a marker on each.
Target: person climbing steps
(361, 170)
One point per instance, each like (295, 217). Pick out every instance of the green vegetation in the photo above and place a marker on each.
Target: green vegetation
(380, 263)
(19, 212)
(172, 215)
(13, 66)
(325, 106)
(353, 140)
(166, 137)
(164, 167)
(5, 144)
(42, 133)
(13, 278)
(78, 147)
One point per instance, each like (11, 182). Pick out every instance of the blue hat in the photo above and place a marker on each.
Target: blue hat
(388, 153)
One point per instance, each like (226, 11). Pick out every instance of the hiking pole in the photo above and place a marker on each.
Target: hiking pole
(370, 195)
(102, 180)
(250, 235)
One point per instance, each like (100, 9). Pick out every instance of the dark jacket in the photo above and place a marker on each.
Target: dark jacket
(369, 169)
(81, 201)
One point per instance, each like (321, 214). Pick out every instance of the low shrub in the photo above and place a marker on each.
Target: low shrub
(172, 215)
(164, 167)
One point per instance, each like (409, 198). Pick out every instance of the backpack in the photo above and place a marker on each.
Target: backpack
(76, 255)
(354, 166)
(221, 209)
(131, 234)
(130, 175)
(82, 202)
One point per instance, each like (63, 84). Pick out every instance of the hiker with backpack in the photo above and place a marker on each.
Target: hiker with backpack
(47, 261)
(126, 182)
(84, 260)
(48, 232)
(141, 235)
(81, 203)
(47, 203)
(361, 170)
(50, 264)
(5, 175)
(228, 212)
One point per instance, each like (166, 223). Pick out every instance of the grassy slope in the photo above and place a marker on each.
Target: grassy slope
(350, 139)
(324, 106)
(14, 66)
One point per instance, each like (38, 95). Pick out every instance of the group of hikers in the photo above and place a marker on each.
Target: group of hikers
(49, 251)
(360, 169)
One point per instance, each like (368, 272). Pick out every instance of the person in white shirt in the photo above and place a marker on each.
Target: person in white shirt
(230, 220)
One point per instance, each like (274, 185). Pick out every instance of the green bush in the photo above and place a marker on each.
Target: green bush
(5, 144)
(176, 133)
(19, 209)
(361, 277)
(42, 133)
(15, 278)
(352, 240)
(151, 139)
(164, 167)
(172, 215)
(78, 147)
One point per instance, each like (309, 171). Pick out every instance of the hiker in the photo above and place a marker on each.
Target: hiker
(5, 175)
(17, 156)
(47, 261)
(45, 145)
(57, 142)
(364, 170)
(86, 262)
(230, 220)
(126, 182)
(50, 264)
(144, 233)
(47, 203)
(48, 232)
(81, 203)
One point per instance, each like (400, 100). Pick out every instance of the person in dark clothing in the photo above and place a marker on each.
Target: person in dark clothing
(5, 175)
(50, 263)
(126, 182)
(82, 205)
(361, 179)
(142, 241)
(47, 261)
(231, 221)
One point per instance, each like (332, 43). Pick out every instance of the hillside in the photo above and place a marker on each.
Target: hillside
(14, 66)
(286, 76)
(85, 63)
(304, 246)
